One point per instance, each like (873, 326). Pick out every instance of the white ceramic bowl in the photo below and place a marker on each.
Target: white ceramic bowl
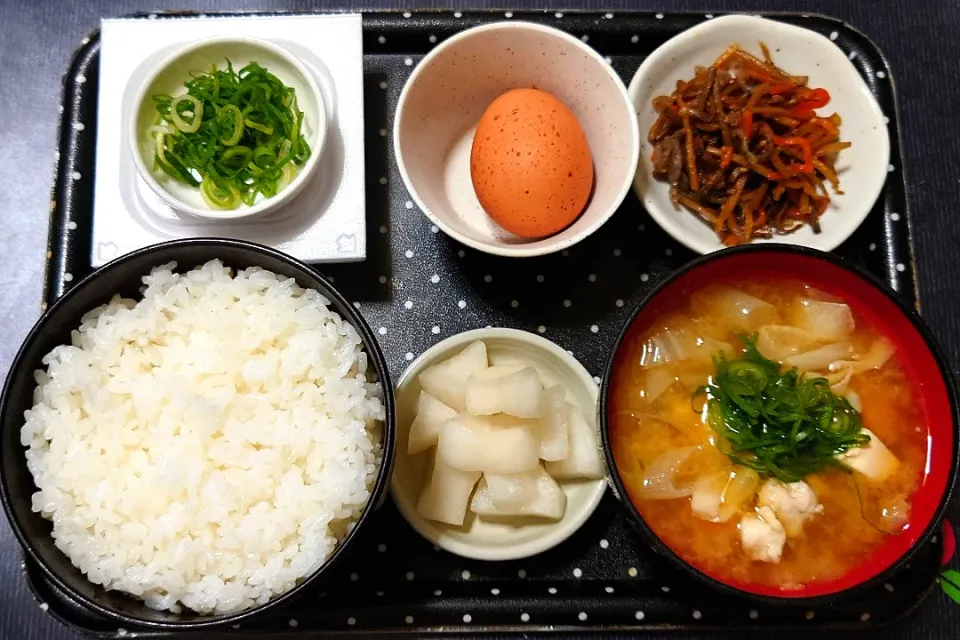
(453, 85)
(862, 167)
(478, 538)
(168, 77)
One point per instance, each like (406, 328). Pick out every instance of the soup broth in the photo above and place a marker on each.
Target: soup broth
(665, 446)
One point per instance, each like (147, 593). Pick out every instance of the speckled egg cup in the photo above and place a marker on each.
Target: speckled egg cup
(449, 90)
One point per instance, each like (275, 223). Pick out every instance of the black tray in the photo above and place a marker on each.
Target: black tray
(603, 578)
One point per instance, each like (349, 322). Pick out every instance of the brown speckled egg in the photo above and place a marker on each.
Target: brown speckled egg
(530, 163)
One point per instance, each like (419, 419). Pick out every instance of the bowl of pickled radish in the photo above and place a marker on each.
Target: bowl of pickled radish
(228, 128)
(779, 423)
(498, 453)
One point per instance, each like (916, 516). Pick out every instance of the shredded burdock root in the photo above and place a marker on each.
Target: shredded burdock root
(743, 148)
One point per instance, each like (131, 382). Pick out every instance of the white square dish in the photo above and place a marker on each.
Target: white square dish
(326, 222)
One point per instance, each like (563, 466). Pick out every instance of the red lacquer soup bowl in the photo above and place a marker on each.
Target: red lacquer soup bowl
(919, 357)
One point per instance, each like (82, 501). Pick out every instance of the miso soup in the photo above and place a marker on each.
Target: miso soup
(766, 433)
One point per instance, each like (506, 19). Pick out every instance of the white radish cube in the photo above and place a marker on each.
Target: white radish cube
(555, 425)
(583, 458)
(447, 381)
(492, 444)
(519, 394)
(446, 497)
(874, 460)
(425, 430)
(511, 491)
(533, 493)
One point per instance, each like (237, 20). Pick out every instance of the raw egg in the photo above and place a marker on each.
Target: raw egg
(530, 163)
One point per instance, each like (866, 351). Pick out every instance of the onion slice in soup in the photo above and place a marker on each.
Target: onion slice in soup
(657, 381)
(733, 307)
(659, 476)
(825, 320)
(820, 358)
(854, 399)
(720, 496)
(681, 345)
(880, 351)
(779, 342)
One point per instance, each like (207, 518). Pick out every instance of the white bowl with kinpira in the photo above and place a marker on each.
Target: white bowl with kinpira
(786, 141)
(498, 454)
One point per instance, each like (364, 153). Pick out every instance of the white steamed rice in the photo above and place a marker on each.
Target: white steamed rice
(208, 445)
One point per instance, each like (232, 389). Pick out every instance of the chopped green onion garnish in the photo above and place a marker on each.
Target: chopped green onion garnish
(230, 124)
(234, 134)
(779, 424)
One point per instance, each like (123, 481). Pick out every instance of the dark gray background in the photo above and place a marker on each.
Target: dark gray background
(920, 38)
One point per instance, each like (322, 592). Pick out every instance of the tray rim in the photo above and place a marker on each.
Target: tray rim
(571, 631)
(90, 44)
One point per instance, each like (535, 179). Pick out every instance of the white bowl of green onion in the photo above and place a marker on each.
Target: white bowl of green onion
(228, 128)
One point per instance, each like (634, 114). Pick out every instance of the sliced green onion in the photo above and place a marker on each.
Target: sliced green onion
(231, 117)
(196, 111)
(259, 127)
(303, 151)
(287, 174)
(169, 163)
(235, 158)
(264, 157)
(217, 197)
(297, 121)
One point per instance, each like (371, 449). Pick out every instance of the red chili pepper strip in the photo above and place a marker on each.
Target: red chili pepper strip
(802, 111)
(804, 144)
(817, 98)
(746, 124)
(813, 99)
